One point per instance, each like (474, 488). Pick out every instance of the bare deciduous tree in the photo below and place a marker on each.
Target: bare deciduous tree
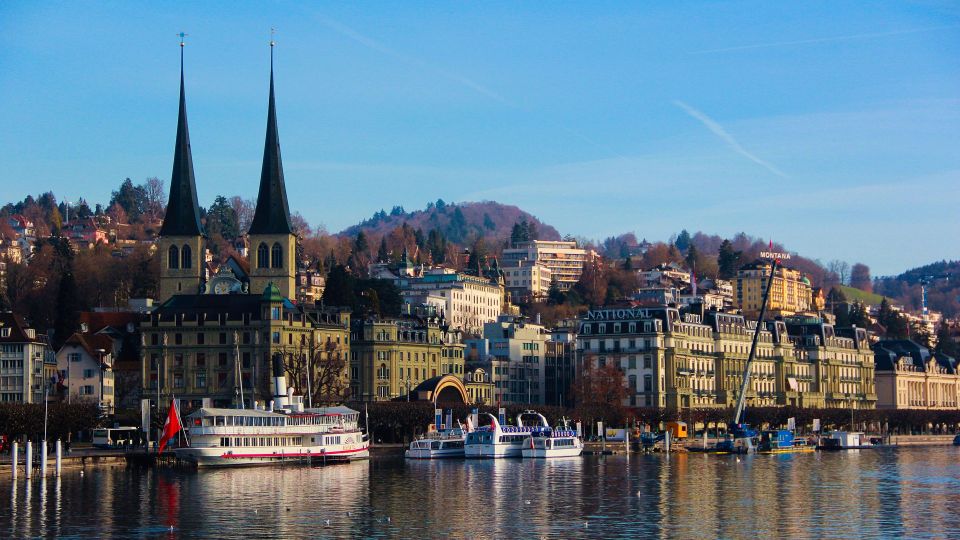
(156, 198)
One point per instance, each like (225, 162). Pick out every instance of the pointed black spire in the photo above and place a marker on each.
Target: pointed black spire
(272, 215)
(183, 210)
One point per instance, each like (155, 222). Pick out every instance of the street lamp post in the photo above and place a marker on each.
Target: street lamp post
(100, 355)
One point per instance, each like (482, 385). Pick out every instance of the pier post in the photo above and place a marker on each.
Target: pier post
(43, 459)
(59, 457)
(15, 458)
(29, 458)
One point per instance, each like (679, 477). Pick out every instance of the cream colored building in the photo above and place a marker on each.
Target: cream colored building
(564, 259)
(910, 376)
(527, 281)
(678, 361)
(791, 292)
(467, 302)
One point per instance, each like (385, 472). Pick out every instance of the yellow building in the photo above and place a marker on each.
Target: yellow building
(791, 292)
(910, 376)
(389, 357)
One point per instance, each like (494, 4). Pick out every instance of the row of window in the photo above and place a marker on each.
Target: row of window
(261, 441)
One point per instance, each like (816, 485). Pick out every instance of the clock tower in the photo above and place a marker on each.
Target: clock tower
(272, 241)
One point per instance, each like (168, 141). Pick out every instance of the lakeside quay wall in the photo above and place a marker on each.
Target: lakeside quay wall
(392, 450)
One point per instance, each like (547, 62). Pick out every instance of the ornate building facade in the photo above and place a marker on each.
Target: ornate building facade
(390, 357)
(687, 360)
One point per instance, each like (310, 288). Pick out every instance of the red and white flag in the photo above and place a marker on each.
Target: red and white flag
(171, 427)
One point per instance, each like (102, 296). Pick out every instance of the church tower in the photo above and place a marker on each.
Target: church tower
(272, 242)
(181, 236)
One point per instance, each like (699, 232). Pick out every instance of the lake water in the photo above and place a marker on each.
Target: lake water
(890, 493)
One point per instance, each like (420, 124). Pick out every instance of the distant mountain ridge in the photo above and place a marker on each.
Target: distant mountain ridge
(459, 222)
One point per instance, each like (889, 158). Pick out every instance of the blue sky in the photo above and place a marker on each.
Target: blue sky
(832, 127)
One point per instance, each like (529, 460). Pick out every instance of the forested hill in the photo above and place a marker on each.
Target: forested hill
(942, 283)
(458, 222)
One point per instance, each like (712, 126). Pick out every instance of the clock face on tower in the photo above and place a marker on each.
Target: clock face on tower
(224, 285)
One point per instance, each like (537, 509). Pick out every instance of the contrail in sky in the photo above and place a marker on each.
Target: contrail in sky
(373, 44)
(824, 40)
(346, 31)
(718, 130)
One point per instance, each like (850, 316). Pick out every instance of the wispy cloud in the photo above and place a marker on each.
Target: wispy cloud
(814, 41)
(375, 45)
(719, 131)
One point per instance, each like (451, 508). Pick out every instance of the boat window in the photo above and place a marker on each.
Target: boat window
(221, 421)
(207, 421)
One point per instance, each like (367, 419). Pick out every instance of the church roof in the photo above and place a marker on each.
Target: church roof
(272, 215)
(183, 210)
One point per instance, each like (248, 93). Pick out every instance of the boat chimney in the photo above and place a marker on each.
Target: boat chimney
(281, 401)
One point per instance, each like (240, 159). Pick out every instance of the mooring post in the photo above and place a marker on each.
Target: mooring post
(59, 456)
(43, 459)
(15, 458)
(29, 457)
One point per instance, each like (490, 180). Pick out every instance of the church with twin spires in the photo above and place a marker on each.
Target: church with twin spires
(210, 343)
(272, 254)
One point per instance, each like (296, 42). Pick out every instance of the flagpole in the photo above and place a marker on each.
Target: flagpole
(180, 421)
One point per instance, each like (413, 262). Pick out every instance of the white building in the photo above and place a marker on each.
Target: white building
(527, 281)
(26, 361)
(564, 259)
(663, 275)
(467, 302)
(85, 365)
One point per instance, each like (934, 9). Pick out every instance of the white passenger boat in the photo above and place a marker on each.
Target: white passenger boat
(496, 441)
(557, 443)
(438, 445)
(288, 432)
(441, 441)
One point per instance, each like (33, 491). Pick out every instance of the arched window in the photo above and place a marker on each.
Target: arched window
(263, 256)
(277, 256)
(186, 257)
(173, 258)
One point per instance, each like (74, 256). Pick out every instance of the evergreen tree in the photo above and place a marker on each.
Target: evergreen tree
(946, 344)
(437, 245)
(554, 295)
(339, 287)
(458, 226)
(692, 256)
(419, 239)
(222, 219)
(516, 234)
(728, 260)
(683, 241)
(628, 264)
(360, 244)
(382, 254)
(67, 319)
(133, 199)
(488, 222)
(532, 232)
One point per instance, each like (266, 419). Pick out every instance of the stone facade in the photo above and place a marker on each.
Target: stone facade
(682, 360)
(389, 357)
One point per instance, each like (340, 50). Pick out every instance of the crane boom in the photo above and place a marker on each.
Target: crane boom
(742, 397)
